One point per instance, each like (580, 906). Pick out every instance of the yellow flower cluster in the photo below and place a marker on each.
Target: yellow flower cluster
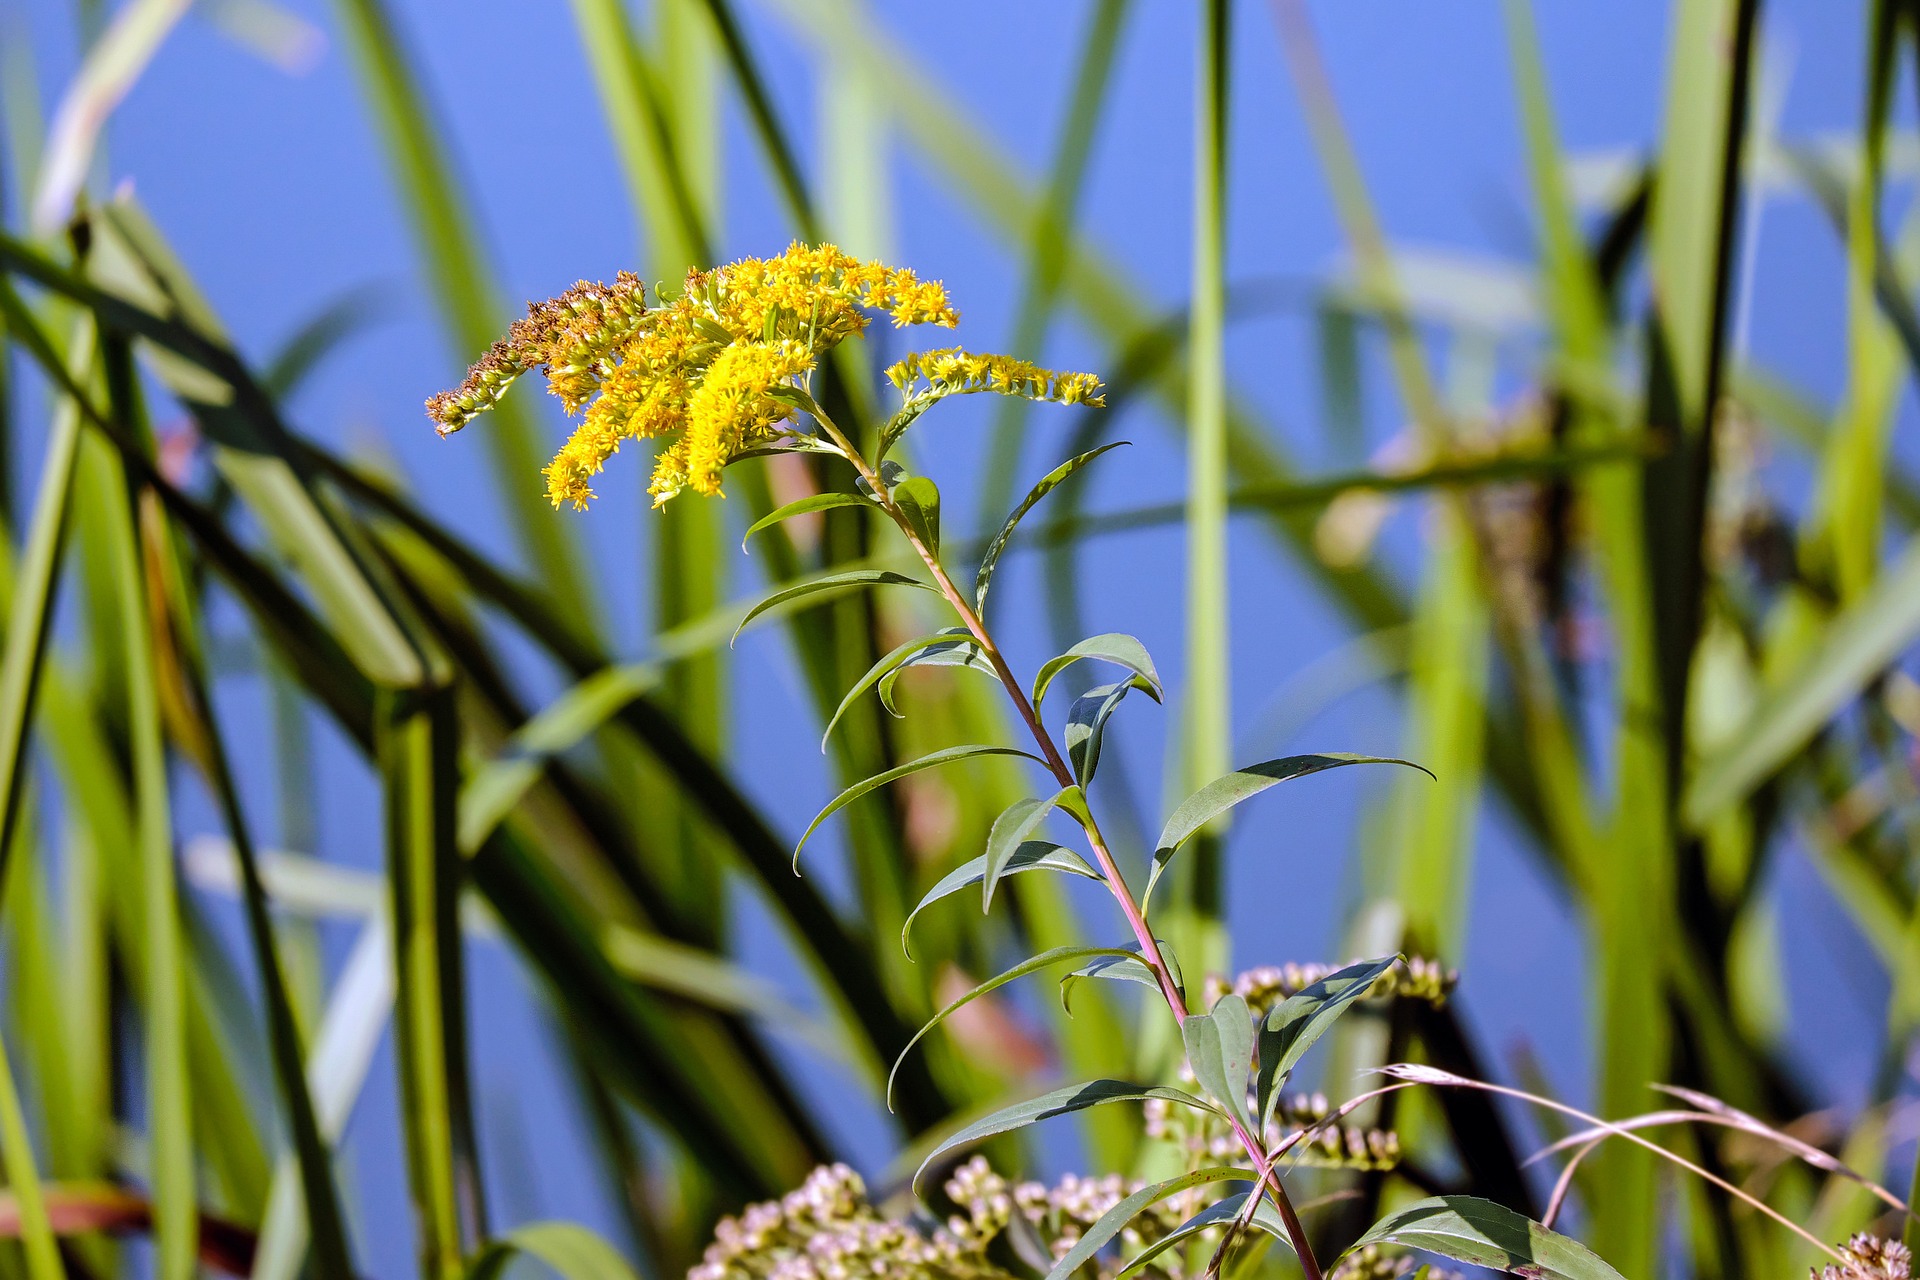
(703, 364)
(952, 371)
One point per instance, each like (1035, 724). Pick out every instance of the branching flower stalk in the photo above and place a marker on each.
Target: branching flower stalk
(1263, 1163)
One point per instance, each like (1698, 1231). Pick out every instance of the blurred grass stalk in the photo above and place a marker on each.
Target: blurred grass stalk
(1654, 778)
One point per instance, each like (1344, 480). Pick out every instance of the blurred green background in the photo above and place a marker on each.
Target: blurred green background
(1555, 383)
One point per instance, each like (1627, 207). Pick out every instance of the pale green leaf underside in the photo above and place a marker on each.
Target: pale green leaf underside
(1114, 647)
(1032, 855)
(1485, 1234)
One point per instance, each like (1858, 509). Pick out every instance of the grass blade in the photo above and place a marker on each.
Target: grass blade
(23, 1182)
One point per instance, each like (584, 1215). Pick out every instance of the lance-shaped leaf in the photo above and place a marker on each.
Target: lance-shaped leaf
(804, 506)
(889, 664)
(1010, 830)
(959, 651)
(1131, 967)
(1480, 1232)
(1111, 1223)
(1291, 1027)
(1032, 855)
(1220, 1051)
(829, 582)
(1223, 793)
(1048, 483)
(573, 1252)
(1221, 1212)
(1032, 964)
(919, 503)
(946, 755)
(1114, 647)
(1087, 724)
(1060, 1102)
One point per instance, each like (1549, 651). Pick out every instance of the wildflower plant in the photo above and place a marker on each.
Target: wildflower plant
(722, 371)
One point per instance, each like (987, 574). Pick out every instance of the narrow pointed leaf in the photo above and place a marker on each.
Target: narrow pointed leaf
(919, 501)
(1112, 647)
(944, 756)
(1060, 1102)
(959, 651)
(1218, 1214)
(1047, 484)
(1130, 967)
(1087, 724)
(1032, 855)
(831, 582)
(891, 663)
(1485, 1234)
(1032, 964)
(1010, 831)
(1111, 1223)
(1220, 1051)
(1222, 794)
(804, 506)
(1291, 1027)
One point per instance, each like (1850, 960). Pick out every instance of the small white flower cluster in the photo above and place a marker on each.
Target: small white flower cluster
(1061, 1214)
(826, 1230)
(1414, 978)
(1374, 1263)
(1870, 1258)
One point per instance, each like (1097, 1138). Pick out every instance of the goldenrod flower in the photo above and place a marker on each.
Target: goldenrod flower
(952, 371)
(703, 364)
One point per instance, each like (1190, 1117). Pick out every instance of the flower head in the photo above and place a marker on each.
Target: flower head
(1870, 1258)
(708, 364)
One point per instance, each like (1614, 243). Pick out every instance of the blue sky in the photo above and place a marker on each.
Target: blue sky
(274, 189)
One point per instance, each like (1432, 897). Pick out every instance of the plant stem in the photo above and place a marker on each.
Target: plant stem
(1056, 763)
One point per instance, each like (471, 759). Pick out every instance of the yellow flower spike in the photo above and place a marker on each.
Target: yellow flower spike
(699, 365)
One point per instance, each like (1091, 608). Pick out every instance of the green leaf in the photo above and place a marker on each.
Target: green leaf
(1485, 1234)
(1111, 1223)
(944, 756)
(1291, 1027)
(30, 612)
(887, 666)
(1221, 1212)
(1032, 964)
(23, 1181)
(571, 1250)
(1048, 483)
(1222, 794)
(1060, 1102)
(919, 503)
(1010, 831)
(1032, 855)
(1113, 647)
(829, 582)
(960, 651)
(1087, 723)
(804, 506)
(169, 1083)
(1220, 1051)
(1130, 967)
